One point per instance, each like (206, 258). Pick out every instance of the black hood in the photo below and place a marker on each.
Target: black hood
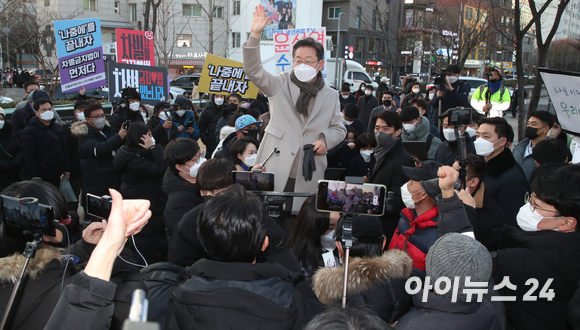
(7, 129)
(173, 183)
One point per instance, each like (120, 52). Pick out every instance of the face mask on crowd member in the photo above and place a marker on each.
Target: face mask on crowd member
(385, 135)
(488, 141)
(247, 125)
(182, 105)
(411, 118)
(219, 99)
(350, 114)
(449, 130)
(387, 100)
(79, 109)
(539, 125)
(43, 110)
(192, 166)
(538, 215)
(308, 60)
(416, 89)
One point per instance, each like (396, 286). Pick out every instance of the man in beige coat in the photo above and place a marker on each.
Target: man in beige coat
(302, 111)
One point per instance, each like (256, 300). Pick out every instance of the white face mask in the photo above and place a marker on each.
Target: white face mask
(483, 147)
(144, 115)
(153, 140)
(163, 116)
(408, 197)
(366, 155)
(410, 127)
(180, 113)
(416, 90)
(134, 106)
(449, 134)
(553, 133)
(47, 115)
(452, 79)
(347, 122)
(80, 115)
(99, 123)
(249, 161)
(304, 72)
(471, 131)
(2, 124)
(193, 170)
(431, 96)
(218, 101)
(367, 92)
(327, 242)
(529, 219)
(344, 96)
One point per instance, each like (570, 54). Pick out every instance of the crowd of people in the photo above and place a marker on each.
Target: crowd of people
(497, 249)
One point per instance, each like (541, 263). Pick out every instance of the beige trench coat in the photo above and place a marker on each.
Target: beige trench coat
(286, 130)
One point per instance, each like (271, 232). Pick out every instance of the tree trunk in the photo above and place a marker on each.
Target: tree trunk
(154, 19)
(542, 56)
(147, 12)
(210, 29)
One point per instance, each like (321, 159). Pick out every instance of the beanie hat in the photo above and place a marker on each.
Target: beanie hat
(351, 110)
(2, 112)
(81, 103)
(37, 95)
(458, 255)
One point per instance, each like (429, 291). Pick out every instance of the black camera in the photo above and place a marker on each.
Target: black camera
(440, 78)
(126, 124)
(460, 116)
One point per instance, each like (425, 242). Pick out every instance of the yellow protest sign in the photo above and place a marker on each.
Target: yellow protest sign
(224, 77)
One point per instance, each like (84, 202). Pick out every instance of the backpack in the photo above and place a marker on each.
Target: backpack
(502, 91)
(162, 280)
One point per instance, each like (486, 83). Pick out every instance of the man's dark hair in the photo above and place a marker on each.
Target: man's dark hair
(453, 68)
(502, 128)
(179, 152)
(416, 83)
(390, 117)
(232, 227)
(345, 87)
(369, 86)
(93, 105)
(240, 146)
(550, 150)
(40, 102)
(544, 116)
(420, 103)
(409, 113)
(476, 116)
(135, 133)
(233, 118)
(29, 83)
(309, 42)
(347, 319)
(389, 93)
(215, 174)
(365, 140)
(476, 167)
(560, 190)
(237, 96)
(254, 113)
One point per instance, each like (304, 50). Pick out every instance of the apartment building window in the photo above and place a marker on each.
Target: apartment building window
(133, 12)
(333, 12)
(236, 40)
(358, 16)
(218, 12)
(237, 8)
(90, 5)
(191, 10)
(184, 40)
(117, 7)
(113, 37)
(359, 47)
(46, 3)
(468, 13)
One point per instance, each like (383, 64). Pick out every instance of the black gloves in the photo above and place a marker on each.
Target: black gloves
(308, 163)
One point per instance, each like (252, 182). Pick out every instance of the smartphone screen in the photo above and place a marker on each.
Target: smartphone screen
(25, 216)
(338, 196)
(460, 116)
(99, 207)
(254, 181)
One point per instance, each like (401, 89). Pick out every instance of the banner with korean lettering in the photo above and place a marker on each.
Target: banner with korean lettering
(564, 91)
(135, 47)
(223, 76)
(150, 81)
(80, 54)
(284, 40)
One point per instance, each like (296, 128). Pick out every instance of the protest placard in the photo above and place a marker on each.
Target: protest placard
(284, 40)
(224, 77)
(564, 90)
(151, 81)
(135, 47)
(281, 16)
(80, 54)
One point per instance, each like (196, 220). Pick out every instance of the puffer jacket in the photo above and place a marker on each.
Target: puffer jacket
(376, 283)
(182, 197)
(10, 156)
(207, 126)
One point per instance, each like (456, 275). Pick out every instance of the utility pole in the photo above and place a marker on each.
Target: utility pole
(338, 50)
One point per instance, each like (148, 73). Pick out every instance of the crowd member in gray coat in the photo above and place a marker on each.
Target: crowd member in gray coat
(539, 124)
(456, 255)
(417, 128)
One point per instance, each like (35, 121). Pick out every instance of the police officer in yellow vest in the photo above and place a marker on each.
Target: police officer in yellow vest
(491, 100)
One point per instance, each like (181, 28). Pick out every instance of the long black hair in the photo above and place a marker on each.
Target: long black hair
(305, 239)
(135, 133)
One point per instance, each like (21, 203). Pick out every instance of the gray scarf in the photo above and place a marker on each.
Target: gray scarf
(307, 91)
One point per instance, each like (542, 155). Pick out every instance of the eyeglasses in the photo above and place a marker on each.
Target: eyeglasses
(528, 198)
(298, 62)
(98, 116)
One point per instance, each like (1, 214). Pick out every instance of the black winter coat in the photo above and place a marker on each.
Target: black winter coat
(44, 151)
(358, 167)
(96, 153)
(121, 115)
(182, 197)
(159, 133)
(9, 165)
(447, 152)
(366, 105)
(72, 141)
(231, 295)
(507, 183)
(207, 127)
(389, 173)
(488, 216)
(541, 255)
(21, 117)
(142, 174)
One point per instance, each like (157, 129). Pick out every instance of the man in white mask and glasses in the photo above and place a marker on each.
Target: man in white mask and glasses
(305, 113)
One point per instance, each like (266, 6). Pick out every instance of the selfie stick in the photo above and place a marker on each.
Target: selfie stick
(462, 152)
(274, 152)
(29, 252)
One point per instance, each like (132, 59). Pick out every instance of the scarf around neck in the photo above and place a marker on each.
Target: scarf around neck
(494, 87)
(307, 91)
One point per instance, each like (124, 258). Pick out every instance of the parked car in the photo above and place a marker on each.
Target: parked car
(4, 99)
(473, 83)
(38, 74)
(186, 82)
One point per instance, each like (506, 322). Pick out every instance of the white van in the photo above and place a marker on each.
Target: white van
(353, 73)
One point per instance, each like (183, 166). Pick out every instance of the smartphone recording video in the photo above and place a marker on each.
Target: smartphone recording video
(339, 196)
(253, 181)
(24, 216)
(99, 207)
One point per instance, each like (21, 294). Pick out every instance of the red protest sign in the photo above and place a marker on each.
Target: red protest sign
(135, 47)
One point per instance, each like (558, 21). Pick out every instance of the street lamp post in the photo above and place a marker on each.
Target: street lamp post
(338, 49)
